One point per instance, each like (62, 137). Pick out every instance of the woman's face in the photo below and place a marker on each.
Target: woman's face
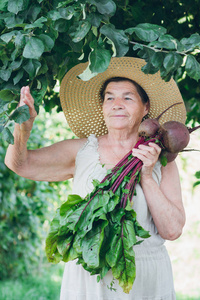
(122, 106)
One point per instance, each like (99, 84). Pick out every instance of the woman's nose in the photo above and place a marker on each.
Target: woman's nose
(118, 103)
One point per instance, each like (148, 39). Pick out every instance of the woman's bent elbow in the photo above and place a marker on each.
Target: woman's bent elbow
(175, 232)
(13, 166)
(174, 235)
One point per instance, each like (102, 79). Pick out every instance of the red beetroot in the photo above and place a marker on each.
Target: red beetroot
(169, 156)
(175, 136)
(150, 127)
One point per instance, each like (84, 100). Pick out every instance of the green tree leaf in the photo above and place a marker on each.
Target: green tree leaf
(79, 30)
(6, 95)
(21, 114)
(189, 44)
(118, 37)
(37, 24)
(17, 5)
(166, 41)
(18, 77)
(7, 37)
(34, 48)
(192, 67)
(16, 64)
(67, 13)
(172, 62)
(8, 136)
(147, 32)
(149, 56)
(107, 7)
(47, 41)
(197, 174)
(5, 74)
(3, 5)
(99, 60)
(32, 67)
(3, 106)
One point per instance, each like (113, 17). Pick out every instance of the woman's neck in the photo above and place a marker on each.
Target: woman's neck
(122, 139)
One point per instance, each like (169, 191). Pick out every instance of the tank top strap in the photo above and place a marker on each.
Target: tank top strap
(91, 143)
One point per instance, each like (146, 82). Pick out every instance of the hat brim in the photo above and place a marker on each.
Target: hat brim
(82, 104)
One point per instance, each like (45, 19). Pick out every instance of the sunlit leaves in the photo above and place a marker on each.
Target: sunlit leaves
(39, 42)
(192, 42)
(33, 49)
(118, 37)
(192, 67)
(7, 135)
(32, 67)
(197, 175)
(37, 24)
(99, 60)
(20, 114)
(147, 32)
(107, 7)
(17, 5)
(79, 30)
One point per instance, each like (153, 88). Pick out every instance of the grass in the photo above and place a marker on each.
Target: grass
(185, 297)
(45, 286)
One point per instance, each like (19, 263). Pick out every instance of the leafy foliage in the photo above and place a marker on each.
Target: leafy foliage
(40, 40)
(26, 207)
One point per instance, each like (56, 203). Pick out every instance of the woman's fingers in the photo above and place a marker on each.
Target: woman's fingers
(26, 98)
(148, 154)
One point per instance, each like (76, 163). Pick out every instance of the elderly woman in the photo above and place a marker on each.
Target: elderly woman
(105, 113)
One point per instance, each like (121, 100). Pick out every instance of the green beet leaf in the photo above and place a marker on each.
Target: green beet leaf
(121, 256)
(52, 239)
(91, 244)
(64, 243)
(125, 270)
(90, 212)
(71, 201)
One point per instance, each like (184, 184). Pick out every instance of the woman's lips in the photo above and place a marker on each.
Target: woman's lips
(117, 116)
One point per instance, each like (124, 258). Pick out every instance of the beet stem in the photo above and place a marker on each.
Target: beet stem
(167, 110)
(193, 129)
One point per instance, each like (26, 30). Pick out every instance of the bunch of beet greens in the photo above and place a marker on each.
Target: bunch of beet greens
(101, 229)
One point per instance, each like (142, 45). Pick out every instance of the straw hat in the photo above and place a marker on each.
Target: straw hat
(82, 104)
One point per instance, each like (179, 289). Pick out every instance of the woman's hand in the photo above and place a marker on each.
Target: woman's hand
(149, 156)
(26, 98)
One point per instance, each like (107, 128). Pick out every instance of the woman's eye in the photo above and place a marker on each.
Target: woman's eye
(127, 98)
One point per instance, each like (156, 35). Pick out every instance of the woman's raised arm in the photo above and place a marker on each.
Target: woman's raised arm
(53, 163)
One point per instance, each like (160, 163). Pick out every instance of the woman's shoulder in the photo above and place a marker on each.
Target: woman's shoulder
(71, 146)
(78, 144)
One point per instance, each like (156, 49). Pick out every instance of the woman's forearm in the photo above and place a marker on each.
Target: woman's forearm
(168, 215)
(17, 155)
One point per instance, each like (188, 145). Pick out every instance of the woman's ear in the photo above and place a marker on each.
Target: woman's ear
(146, 110)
